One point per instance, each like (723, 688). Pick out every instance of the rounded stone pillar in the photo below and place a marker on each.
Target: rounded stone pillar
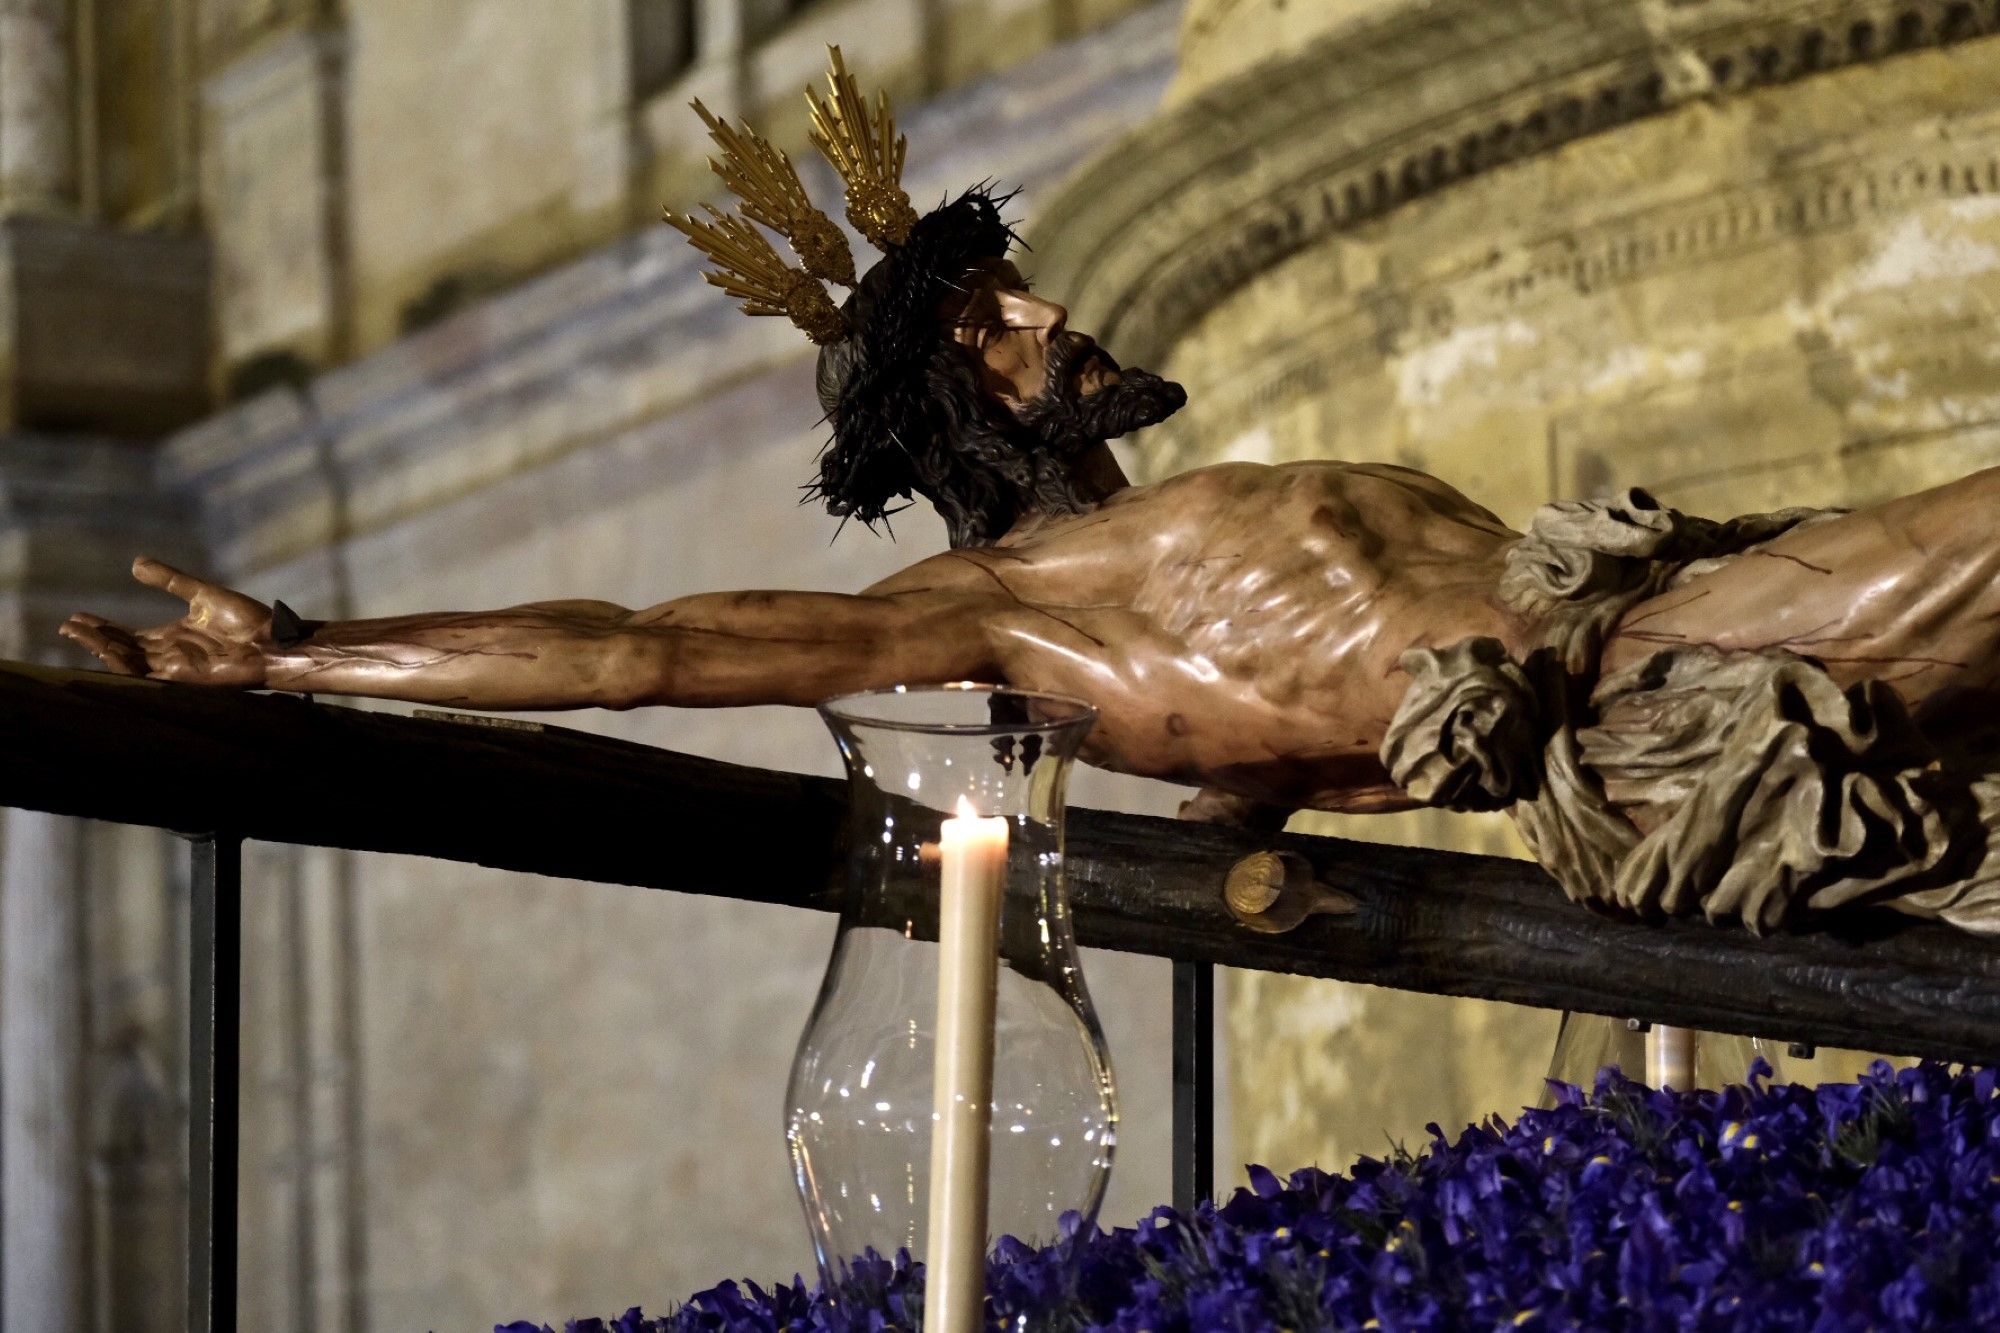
(38, 102)
(43, 1213)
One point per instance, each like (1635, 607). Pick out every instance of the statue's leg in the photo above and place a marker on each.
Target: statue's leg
(1906, 592)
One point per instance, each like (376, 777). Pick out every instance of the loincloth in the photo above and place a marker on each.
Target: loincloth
(1768, 789)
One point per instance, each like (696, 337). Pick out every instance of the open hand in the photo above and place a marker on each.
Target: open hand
(222, 640)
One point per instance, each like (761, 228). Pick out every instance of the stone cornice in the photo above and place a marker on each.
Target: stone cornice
(1230, 183)
(1869, 180)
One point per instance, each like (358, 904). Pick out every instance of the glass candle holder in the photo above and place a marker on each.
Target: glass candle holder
(859, 1117)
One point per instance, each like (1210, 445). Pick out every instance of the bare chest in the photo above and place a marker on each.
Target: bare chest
(1258, 648)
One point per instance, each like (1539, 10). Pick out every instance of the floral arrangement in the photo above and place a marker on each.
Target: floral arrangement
(1867, 1205)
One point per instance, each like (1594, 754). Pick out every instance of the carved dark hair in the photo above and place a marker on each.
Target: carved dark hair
(978, 466)
(900, 400)
(910, 416)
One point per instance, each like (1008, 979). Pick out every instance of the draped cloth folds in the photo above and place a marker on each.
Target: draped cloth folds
(1768, 789)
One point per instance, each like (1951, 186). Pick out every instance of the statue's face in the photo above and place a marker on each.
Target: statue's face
(1020, 340)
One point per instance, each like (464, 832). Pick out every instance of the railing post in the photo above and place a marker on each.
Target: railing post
(1194, 1084)
(215, 1000)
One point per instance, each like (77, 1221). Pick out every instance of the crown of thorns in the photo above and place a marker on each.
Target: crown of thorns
(884, 410)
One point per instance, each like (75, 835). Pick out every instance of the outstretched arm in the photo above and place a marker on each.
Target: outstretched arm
(714, 649)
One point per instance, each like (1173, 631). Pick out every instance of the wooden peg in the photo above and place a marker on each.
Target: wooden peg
(1273, 892)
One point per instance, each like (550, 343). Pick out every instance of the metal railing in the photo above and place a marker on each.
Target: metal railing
(223, 768)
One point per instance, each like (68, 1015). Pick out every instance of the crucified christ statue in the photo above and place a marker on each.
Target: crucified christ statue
(1305, 636)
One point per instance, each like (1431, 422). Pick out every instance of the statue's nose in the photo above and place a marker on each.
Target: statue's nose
(1057, 320)
(1028, 311)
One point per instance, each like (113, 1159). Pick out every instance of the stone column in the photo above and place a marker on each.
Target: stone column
(274, 148)
(38, 102)
(719, 29)
(720, 77)
(91, 958)
(43, 1213)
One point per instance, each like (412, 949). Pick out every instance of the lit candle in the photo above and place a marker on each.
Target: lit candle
(973, 856)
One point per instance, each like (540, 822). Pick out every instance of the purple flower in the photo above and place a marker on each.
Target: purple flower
(1873, 1204)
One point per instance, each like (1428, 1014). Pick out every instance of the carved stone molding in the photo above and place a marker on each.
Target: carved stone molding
(1229, 184)
(1869, 186)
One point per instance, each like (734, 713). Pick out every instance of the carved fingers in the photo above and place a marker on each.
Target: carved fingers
(111, 644)
(211, 606)
(220, 641)
(159, 574)
(177, 652)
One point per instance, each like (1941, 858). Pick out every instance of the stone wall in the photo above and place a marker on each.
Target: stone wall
(1745, 255)
(363, 168)
(373, 166)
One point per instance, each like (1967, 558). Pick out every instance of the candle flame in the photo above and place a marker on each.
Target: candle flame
(965, 810)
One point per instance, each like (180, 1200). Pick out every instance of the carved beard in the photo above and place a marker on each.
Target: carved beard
(1068, 420)
(988, 466)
